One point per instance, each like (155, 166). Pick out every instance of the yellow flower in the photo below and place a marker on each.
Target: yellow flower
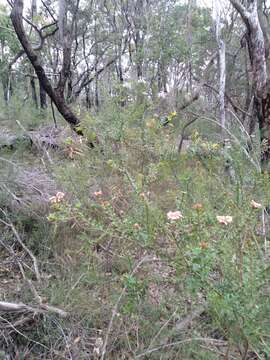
(215, 146)
(195, 136)
(110, 162)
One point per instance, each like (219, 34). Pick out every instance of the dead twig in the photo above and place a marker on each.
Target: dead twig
(208, 341)
(21, 307)
(23, 335)
(115, 308)
(13, 254)
(183, 134)
(184, 323)
(25, 248)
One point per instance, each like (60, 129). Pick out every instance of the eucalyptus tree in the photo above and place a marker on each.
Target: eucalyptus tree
(9, 46)
(85, 51)
(56, 94)
(255, 17)
(221, 61)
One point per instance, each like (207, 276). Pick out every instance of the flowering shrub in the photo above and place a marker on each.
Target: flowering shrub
(203, 148)
(198, 233)
(174, 215)
(224, 220)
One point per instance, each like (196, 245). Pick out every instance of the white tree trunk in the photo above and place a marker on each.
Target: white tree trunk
(250, 18)
(62, 10)
(222, 82)
(221, 61)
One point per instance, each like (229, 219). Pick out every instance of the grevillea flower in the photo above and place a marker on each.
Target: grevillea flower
(197, 206)
(144, 195)
(57, 198)
(52, 199)
(174, 215)
(60, 195)
(255, 205)
(98, 193)
(203, 245)
(105, 204)
(136, 226)
(224, 220)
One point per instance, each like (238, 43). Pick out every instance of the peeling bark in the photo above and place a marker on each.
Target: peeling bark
(221, 63)
(258, 43)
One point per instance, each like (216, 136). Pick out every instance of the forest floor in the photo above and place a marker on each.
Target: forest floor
(131, 250)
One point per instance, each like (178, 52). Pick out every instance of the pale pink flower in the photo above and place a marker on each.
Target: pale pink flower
(144, 195)
(255, 205)
(98, 193)
(60, 196)
(224, 220)
(57, 198)
(52, 199)
(174, 215)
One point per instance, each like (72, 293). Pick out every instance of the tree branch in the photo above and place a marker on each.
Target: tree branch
(56, 96)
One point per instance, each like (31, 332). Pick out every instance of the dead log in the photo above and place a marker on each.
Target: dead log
(21, 308)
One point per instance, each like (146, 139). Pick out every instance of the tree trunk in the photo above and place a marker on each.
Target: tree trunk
(56, 95)
(69, 90)
(88, 98)
(42, 97)
(189, 40)
(221, 64)
(34, 91)
(6, 87)
(258, 47)
(263, 114)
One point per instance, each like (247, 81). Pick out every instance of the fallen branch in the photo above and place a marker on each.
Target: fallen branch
(43, 306)
(15, 307)
(21, 307)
